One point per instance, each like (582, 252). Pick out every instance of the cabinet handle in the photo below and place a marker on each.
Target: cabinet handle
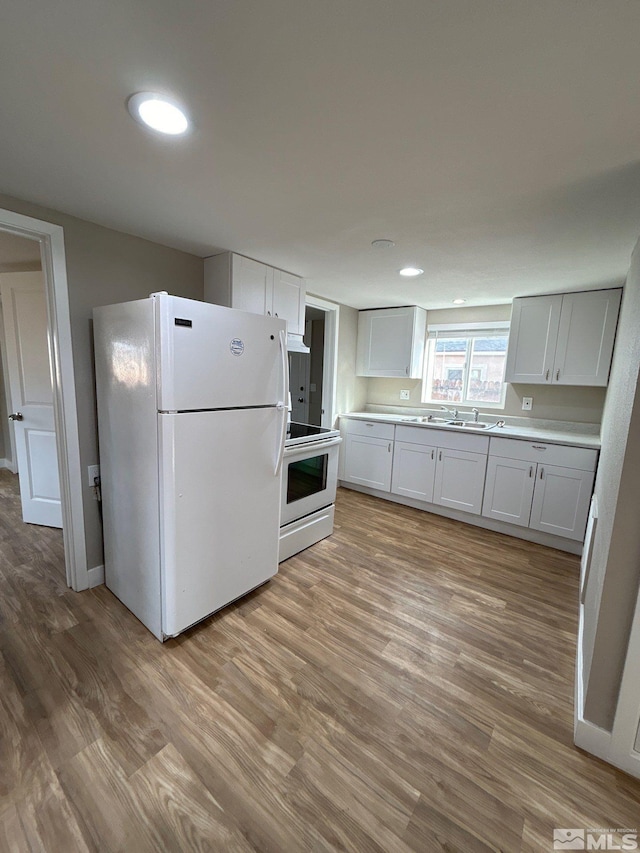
(389, 448)
(557, 374)
(531, 471)
(432, 453)
(268, 313)
(546, 376)
(440, 456)
(406, 370)
(276, 313)
(538, 446)
(541, 473)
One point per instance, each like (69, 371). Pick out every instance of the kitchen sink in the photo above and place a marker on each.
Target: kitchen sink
(468, 424)
(426, 420)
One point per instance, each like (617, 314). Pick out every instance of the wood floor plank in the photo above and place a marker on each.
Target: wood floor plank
(404, 685)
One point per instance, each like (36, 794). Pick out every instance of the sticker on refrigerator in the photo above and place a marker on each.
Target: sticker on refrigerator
(236, 346)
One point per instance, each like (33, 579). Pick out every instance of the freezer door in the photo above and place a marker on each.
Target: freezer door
(220, 513)
(212, 357)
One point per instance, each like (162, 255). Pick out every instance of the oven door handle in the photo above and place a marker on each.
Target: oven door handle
(311, 447)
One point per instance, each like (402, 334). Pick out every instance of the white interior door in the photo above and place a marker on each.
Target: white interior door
(26, 338)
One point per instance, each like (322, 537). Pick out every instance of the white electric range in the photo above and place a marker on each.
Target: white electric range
(309, 482)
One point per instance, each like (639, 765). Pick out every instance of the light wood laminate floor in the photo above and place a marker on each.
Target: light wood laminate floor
(404, 685)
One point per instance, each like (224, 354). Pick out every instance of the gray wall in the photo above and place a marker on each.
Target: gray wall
(615, 567)
(105, 266)
(565, 403)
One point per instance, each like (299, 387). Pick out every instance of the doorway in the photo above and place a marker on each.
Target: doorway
(312, 375)
(50, 240)
(28, 387)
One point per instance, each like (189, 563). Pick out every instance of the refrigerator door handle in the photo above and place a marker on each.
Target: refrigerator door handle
(285, 367)
(282, 410)
(281, 405)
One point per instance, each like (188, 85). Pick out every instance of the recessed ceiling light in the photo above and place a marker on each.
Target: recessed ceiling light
(158, 113)
(409, 272)
(382, 244)
(459, 301)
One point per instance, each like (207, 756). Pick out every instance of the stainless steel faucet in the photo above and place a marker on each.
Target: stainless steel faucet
(476, 412)
(452, 412)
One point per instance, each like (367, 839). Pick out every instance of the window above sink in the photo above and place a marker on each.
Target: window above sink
(465, 364)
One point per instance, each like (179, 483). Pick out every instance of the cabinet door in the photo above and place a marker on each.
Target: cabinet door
(532, 339)
(251, 285)
(367, 461)
(414, 468)
(561, 501)
(508, 490)
(587, 330)
(459, 480)
(388, 341)
(288, 300)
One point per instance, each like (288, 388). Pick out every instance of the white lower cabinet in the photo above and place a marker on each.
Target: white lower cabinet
(526, 486)
(460, 479)
(545, 487)
(367, 454)
(561, 501)
(414, 471)
(439, 467)
(508, 490)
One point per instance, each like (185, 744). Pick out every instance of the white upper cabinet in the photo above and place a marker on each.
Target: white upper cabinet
(585, 339)
(391, 342)
(532, 339)
(566, 339)
(250, 285)
(239, 282)
(288, 300)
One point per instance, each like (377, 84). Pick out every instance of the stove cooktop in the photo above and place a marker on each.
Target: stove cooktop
(300, 433)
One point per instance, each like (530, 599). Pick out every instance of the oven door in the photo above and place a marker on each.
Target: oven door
(309, 478)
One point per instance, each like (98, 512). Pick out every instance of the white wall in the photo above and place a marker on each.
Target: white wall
(105, 266)
(615, 567)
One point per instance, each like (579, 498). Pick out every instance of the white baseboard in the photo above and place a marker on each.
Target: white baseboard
(96, 576)
(4, 463)
(8, 464)
(593, 739)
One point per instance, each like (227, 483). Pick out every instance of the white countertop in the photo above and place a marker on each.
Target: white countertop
(573, 436)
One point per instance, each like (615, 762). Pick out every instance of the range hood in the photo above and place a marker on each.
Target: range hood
(296, 344)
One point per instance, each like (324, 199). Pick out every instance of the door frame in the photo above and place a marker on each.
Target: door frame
(330, 357)
(54, 270)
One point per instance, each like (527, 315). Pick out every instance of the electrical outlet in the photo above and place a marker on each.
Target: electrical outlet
(527, 404)
(94, 471)
(405, 395)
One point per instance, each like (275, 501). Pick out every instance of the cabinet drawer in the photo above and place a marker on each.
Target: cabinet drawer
(582, 458)
(418, 435)
(374, 429)
(448, 439)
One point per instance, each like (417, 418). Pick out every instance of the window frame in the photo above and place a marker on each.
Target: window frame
(468, 332)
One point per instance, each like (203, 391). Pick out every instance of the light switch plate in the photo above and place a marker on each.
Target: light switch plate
(527, 404)
(405, 395)
(93, 472)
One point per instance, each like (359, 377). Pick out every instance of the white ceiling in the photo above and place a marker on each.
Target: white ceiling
(498, 143)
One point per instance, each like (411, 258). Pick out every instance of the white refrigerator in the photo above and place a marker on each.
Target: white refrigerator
(192, 423)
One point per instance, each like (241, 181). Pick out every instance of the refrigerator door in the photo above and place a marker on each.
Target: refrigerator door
(210, 357)
(220, 509)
